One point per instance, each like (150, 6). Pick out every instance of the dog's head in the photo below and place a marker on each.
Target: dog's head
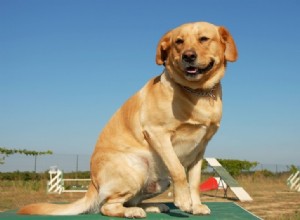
(195, 54)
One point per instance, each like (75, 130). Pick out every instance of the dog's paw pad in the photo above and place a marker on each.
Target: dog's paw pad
(201, 210)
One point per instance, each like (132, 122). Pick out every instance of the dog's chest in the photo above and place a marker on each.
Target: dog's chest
(190, 138)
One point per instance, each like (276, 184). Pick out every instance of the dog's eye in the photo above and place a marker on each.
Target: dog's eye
(179, 41)
(203, 39)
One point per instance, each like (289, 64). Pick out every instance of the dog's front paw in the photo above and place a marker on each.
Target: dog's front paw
(184, 206)
(201, 210)
(134, 212)
(184, 203)
(182, 198)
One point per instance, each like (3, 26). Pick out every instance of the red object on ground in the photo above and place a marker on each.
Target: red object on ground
(210, 184)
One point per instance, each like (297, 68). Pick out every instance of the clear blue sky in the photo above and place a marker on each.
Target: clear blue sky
(67, 65)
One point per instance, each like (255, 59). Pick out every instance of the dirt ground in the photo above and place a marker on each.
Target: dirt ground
(271, 197)
(272, 200)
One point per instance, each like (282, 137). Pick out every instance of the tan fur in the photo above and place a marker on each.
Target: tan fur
(161, 132)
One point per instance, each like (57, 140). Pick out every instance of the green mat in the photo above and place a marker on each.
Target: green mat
(219, 211)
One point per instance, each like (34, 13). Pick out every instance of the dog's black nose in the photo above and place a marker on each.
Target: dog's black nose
(189, 56)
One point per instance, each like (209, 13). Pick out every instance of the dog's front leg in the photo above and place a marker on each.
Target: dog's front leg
(194, 175)
(161, 143)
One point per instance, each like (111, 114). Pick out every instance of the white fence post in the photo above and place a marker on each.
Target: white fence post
(55, 184)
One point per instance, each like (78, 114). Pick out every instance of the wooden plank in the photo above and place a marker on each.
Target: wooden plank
(76, 179)
(80, 190)
(213, 162)
(241, 194)
(225, 175)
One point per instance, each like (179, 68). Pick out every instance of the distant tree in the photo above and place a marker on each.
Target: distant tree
(236, 167)
(293, 169)
(5, 152)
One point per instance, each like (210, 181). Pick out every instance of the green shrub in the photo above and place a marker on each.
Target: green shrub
(236, 167)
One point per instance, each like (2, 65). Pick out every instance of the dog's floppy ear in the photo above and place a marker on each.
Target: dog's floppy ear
(162, 49)
(231, 53)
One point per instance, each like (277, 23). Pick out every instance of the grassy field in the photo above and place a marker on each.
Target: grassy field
(272, 198)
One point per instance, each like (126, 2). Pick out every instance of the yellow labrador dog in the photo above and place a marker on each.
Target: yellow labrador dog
(159, 134)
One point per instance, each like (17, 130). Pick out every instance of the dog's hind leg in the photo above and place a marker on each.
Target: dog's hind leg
(114, 196)
(121, 188)
(117, 209)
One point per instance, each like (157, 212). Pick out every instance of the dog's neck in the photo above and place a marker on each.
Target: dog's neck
(208, 93)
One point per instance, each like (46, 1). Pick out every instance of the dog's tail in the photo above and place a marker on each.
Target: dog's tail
(83, 205)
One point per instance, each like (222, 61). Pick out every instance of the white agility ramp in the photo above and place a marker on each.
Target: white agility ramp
(293, 181)
(239, 191)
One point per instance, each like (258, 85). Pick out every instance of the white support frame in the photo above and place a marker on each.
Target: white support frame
(56, 182)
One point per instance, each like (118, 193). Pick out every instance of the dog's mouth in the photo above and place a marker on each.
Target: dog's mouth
(193, 71)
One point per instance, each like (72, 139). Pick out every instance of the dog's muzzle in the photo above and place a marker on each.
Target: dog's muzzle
(193, 70)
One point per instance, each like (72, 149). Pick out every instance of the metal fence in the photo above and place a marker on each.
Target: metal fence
(42, 163)
(75, 162)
